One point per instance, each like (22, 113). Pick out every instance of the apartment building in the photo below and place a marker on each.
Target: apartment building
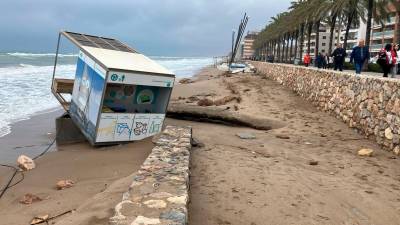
(356, 33)
(324, 36)
(247, 49)
(385, 32)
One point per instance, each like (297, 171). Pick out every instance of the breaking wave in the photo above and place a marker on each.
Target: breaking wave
(25, 80)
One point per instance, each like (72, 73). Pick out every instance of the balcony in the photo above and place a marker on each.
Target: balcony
(391, 21)
(384, 34)
(376, 47)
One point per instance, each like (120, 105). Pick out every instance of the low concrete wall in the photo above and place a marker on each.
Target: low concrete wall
(368, 103)
(159, 191)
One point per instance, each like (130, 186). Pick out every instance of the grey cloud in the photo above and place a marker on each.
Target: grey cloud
(157, 27)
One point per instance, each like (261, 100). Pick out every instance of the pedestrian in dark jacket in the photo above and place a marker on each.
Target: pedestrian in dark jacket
(359, 56)
(339, 54)
(320, 60)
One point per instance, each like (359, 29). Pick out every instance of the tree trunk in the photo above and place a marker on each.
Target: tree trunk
(310, 26)
(279, 49)
(273, 48)
(291, 47)
(282, 51)
(348, 25)
(295, 45)
(264, 51)
(287, 47)
(332, 32)
(301, 41)
(270, 48)
(316, 51)
(340, 23)
(283, 48)
(369, 23)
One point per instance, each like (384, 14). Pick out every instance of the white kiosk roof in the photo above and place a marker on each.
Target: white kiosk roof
(115, 55)
(121, 60)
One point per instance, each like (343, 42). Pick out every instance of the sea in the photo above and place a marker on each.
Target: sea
(25, 80)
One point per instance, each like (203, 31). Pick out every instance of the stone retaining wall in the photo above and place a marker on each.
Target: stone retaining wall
(370, 104)
(159, 191)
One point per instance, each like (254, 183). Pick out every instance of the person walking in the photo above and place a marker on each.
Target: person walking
(325, 60)
(395, 55)
(385, 59)
(319, 60)
(339, 54)
(397, 48)
(307, 59)
(359, 56)
(328, 61)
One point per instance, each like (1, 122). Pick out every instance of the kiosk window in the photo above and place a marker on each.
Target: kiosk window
(124, 98)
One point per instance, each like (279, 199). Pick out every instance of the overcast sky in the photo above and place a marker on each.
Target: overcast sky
(154, 27)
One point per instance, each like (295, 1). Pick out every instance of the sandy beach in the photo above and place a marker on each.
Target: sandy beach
(103, 170)
(265, 180)
(306, 171)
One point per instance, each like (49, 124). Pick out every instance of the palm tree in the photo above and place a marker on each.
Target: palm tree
(302, 27)
(370, 7)
(295, 45)
(288, 37)
(332, 25)
(332, 10)
(352, 10)
(293, 35)
(297, 11)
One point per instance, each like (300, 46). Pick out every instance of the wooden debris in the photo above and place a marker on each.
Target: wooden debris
(39, 219)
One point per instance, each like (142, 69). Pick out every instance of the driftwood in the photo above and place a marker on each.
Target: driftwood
(46, 218)
(219, 115)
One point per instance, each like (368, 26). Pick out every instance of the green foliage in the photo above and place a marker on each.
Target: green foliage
(348, 66)
(373, 67)
(305, 13)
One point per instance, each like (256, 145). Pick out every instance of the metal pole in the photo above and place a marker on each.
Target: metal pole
(233, 40)
(242, 28)
(55, 61)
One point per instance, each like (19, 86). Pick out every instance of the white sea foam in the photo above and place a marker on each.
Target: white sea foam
(25, 65)
(24, 54)
(184, 67)
(25, 88)
(25, 91)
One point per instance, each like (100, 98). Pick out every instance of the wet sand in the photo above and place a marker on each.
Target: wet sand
(29, 137)
(98, 172)
(266, 180)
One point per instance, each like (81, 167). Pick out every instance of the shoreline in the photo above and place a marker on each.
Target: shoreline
(28, 117)
(306, 170)
(104, 170)
(15, 146)
(184, 67)
(29, 136)
(94, 170)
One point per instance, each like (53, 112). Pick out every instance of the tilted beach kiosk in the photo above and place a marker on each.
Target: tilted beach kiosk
(118, 94)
